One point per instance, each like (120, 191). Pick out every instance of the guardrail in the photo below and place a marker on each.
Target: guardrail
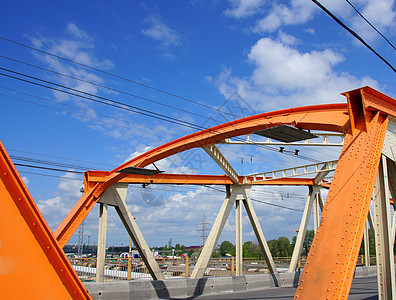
(134, 268)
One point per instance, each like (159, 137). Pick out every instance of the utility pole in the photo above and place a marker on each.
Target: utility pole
(204, 229)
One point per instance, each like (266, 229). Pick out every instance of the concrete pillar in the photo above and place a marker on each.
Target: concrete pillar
(303, 229)
(366, 239)
(383, 240)
(316, 212)
(214, 235)
(239, 241)
(101, 251)
(259, 235)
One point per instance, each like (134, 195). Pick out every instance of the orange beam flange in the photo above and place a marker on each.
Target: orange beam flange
(32, 265)
(93, 177)
(331, 262)
(328, 117)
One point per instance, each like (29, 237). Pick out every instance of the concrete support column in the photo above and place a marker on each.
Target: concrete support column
(316, 212)
(259, 235)
(101, 251)
(366, 239)
(303, 229)
(239, 241)
(383, 239)
(217, 228)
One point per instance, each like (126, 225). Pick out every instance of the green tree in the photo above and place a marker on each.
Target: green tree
(309, 236)
(226, 247)
(251, 249)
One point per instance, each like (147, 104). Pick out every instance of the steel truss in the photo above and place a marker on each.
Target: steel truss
(366, 121)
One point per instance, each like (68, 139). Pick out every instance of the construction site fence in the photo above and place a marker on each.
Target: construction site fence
(135, 268)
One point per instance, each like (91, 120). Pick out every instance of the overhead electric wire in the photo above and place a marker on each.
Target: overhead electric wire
(368, 22)
(46, 168)
(50, 163)
(260, 201)
(88, 117)
(130, 108)
(358, 37)
(109, 88)
(49, 175)
(59, 157)
(114, 75)
(110, 102)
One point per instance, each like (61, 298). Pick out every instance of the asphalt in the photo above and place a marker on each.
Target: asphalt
(362, 288)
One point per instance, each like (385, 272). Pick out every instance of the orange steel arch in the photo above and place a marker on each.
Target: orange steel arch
(329, 117)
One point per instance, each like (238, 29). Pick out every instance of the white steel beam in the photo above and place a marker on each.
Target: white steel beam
(119, 191)
(239, 239)
(323, 167)
(234, 193)
(260, 235)
(303, 228)
(366, 239)
(220, 159)
(323, 136)
(101, 250)
(316, 213)
(217, 228)
(384, 247)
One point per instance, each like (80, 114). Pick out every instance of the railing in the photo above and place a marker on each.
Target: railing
(134, 268)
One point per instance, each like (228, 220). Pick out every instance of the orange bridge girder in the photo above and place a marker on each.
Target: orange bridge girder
(328, 117)
(331, 262)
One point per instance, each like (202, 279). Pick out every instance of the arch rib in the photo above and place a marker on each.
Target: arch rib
(329, 117)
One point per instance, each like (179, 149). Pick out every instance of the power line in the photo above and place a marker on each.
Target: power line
(85, 116)
(353, 33)
(368, 22)
(112, 103)
(108, 88)
(114, 75)
(60, 157)
(127, 107)
(48, 175)
(45, 168)
(260, 201)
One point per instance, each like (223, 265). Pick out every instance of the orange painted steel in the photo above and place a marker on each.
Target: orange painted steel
(331, 262)
(93, 177)
(329, 117)
(32, 265)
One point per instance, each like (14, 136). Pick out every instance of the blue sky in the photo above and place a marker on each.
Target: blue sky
(240, 57)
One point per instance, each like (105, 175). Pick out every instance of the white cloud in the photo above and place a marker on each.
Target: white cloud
(158, 30)
(26, 180)
(380, 13)
(285, 77)
(299, 12)
(56, 208)
(78, 46)
(243, 8)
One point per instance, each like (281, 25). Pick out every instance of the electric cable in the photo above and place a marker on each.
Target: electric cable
(114, 75)
(368, 22)
(353, 33)
(131, 108)
(109, 88)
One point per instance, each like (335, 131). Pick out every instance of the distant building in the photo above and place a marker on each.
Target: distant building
(194, 248)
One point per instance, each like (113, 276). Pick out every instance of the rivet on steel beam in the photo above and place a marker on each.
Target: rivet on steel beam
(34, 224)
(19, 199)
(5, 174)
(49, 247)
(61, 270)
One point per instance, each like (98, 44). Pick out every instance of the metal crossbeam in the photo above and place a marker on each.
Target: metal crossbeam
(325, 167)
(219, 158)
(323, 136)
